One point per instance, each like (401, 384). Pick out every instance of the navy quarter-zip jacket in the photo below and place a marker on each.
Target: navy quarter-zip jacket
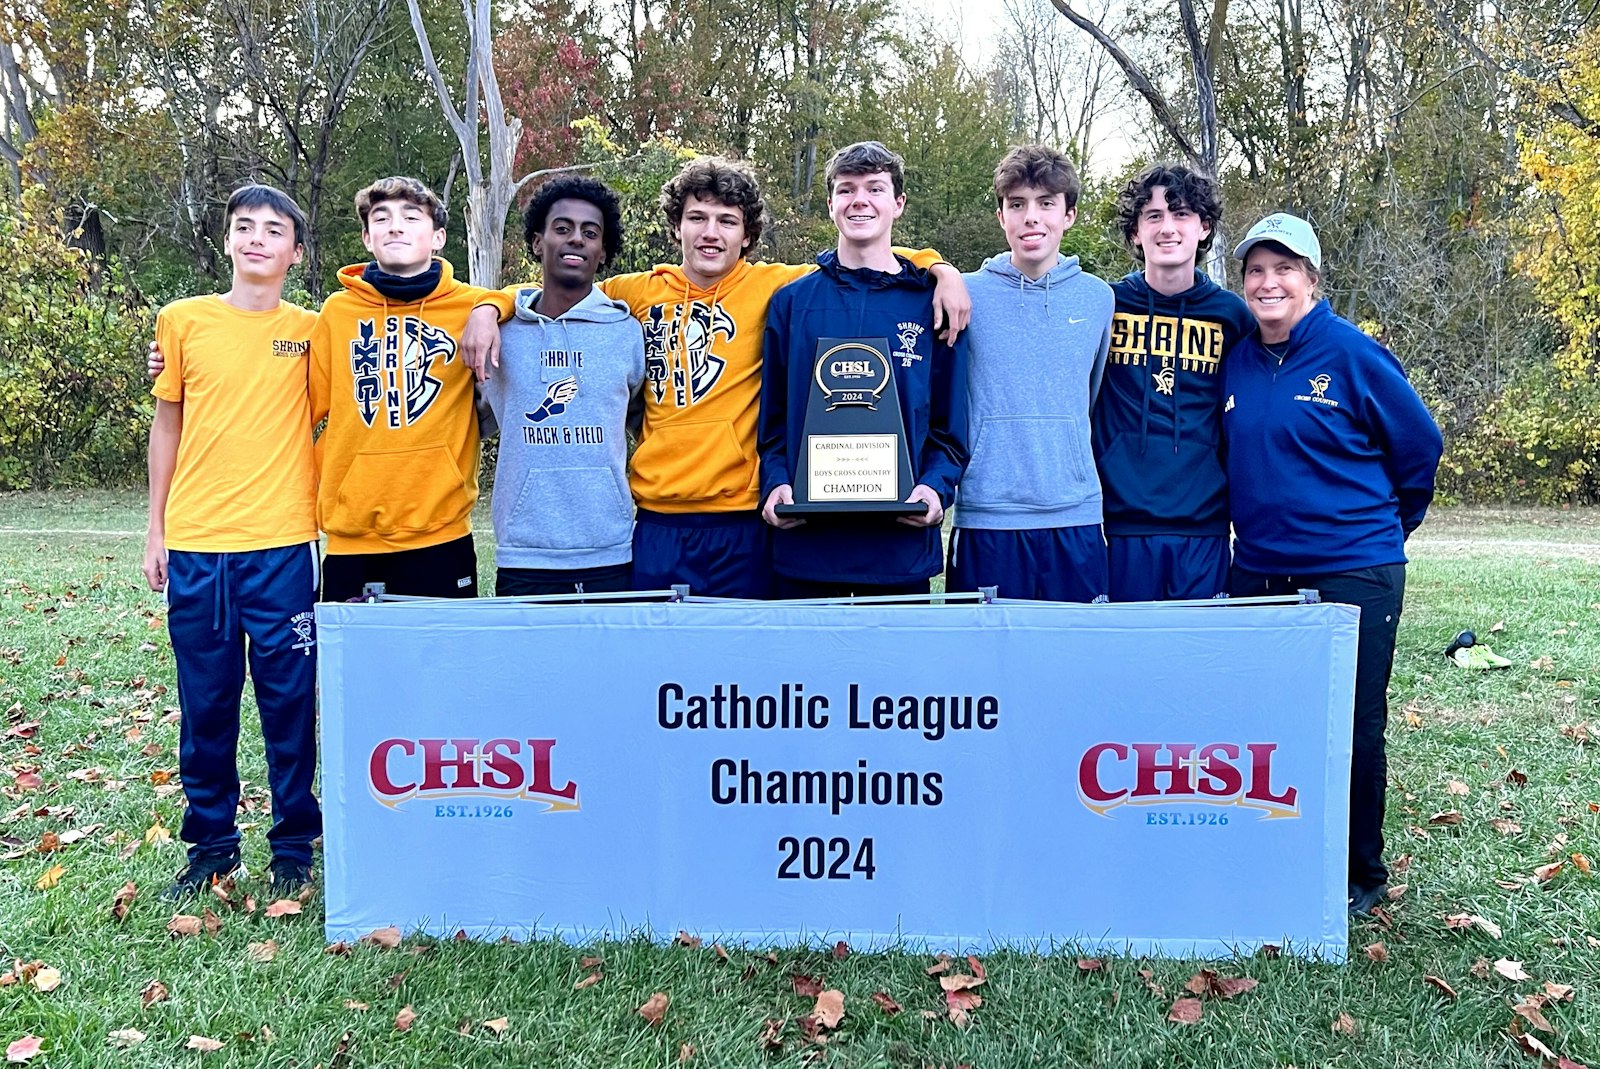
(929, 376)
(1331, 453)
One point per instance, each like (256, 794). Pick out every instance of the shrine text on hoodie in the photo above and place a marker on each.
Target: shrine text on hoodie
(1157, 423)
(399, 457)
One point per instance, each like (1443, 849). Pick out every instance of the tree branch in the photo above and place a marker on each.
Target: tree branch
(1136, 75)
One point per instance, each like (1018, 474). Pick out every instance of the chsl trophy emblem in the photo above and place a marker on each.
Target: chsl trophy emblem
(854, 456)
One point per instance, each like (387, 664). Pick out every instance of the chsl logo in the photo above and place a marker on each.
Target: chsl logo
(401, 770)
(1115, 774)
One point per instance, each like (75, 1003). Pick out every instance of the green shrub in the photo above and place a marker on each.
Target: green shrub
(74, 402)
(1538, 442)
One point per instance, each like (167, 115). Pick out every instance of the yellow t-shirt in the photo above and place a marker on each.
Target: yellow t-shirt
(245, 478)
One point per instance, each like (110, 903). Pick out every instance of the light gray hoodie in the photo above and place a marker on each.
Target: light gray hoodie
(564, 396)
(1037, 353)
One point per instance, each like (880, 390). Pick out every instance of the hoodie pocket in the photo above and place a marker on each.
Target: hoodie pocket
(568, 508)
(697, 460)
(1028, 462)
(406, 491)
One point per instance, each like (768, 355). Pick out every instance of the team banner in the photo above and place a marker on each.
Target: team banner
(1131, 779)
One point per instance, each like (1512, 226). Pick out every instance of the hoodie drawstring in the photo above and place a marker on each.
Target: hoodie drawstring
(1149, 358)
(1177, 366)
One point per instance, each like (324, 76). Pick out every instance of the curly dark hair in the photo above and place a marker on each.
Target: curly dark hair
(1185, 188)
(576, 187)
(729, 182)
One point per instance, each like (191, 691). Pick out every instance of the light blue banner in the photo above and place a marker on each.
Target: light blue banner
(1140, 779)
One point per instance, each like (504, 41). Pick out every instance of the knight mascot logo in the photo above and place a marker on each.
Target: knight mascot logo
(393, 374)
(667, 330)
(400, 770)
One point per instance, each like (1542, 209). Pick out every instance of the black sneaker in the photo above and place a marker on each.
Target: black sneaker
(202, 872)
(287, 876)
(1362, 900)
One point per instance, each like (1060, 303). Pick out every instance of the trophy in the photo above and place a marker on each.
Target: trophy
(853, 448)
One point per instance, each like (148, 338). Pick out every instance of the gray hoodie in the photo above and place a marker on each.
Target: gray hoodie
(1038, 350)
(564, 396)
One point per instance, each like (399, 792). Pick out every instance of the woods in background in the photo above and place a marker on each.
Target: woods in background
(1448, 153)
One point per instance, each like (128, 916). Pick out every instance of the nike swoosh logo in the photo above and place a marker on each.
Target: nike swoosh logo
(1076, 321)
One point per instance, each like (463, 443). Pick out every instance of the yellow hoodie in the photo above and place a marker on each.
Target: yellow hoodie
(702, 390)
(399, 457)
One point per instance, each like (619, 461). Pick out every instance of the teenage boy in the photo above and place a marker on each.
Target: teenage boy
(695, 471)
(399, 456)
(233, 540)
(862, 289)
(1157, 426)
(1028, 511)
(573, 362)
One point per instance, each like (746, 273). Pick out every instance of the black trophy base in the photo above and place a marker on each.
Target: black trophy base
(854, 508)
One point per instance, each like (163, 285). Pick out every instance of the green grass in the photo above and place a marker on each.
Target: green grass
(79, 597)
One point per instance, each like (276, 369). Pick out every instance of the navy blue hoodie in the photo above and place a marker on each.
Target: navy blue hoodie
(1331, 453)
(930, 377)
(1157, 423)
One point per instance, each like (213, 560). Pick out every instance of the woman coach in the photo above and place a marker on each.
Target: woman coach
(1331, 461)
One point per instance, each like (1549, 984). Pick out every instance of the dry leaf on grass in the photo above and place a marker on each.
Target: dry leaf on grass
(1472, 920)
(771, 1033)
(339, 949)
(1531, 1009)
(382, 937)
(942, 965)
(1456, 787)
(1344, 1024)
(261, 953)
(405, 1019)
(885, 1003)
(47, 980)
(125, 1038)
(1505, 827)
(203, 1044)
(151, 993)
(1581, 863)
(122, 899)
(1546, 873)
(719, 951)
(1438, 982)
(685, 1052)
(1531, 1045)
(808, 986)
(960, 981)
(590, 980)
(1091, 964)
(655, 1007)
(686, 940)
(841, 950)
(1449, 817)
(358, 1007)
(1558, 992)
(1185, 1011)
(829, 1010)
(288, 907)
(497, 1025)
(183, 924)
(960, 1004)
(1511, 970)
(1208, 984)
(19, 1051)
(1377, 952)
(50, 878)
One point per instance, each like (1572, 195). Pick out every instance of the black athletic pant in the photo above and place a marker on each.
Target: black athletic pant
(1380, 594)
(448, 570)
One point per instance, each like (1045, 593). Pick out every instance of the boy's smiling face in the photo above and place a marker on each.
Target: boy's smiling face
(401, 237)
(571, 247)
(1034, 220)
(864, 207)
(261, 244)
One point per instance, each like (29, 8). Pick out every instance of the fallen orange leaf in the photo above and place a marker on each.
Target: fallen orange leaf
(829, 1010)
(885, 1003)
(1449, 991)
(1186, 1011)
(655, 1007)
(405, 1018)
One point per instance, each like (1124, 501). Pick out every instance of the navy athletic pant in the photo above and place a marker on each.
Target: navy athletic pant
(1048, 564)
(1168, 567)
(223, 608)
(1380, 594)
(719, 554)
